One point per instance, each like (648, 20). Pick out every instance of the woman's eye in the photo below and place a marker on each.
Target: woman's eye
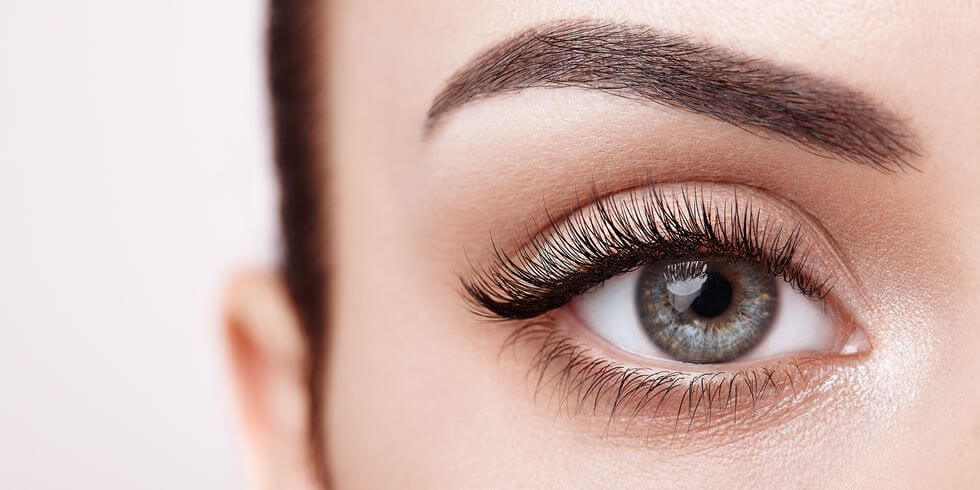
(711, 310)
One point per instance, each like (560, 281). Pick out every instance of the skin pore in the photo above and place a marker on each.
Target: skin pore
(426, 182)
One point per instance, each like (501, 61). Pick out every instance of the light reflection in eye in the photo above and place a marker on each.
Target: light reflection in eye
(706, 311)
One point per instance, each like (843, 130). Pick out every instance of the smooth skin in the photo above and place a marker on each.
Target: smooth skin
(416, 393)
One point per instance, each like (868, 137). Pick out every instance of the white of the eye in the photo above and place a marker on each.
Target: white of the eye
(799, 327)
(610, 311)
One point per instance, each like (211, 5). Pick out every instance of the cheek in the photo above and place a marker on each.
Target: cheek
(417, 393)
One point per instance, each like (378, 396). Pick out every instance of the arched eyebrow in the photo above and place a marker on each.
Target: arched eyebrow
(638, 62)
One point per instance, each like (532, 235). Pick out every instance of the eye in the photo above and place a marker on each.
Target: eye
(703, 311)
(688, 276)
(687, 306)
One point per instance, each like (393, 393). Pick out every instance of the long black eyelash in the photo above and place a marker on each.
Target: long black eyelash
(676, 402)
(621, 235)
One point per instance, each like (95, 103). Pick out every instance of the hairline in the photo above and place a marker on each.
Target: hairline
(293, 61)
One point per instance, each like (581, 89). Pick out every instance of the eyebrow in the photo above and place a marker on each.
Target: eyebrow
(638, 62)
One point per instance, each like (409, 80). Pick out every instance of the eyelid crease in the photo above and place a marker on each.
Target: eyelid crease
(616, 234)
(833, 247)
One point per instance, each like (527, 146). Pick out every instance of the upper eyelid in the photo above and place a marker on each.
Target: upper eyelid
(813, 236)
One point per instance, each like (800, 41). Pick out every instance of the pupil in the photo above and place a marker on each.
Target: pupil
(714, 297)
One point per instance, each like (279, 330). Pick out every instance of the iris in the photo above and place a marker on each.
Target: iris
(706, 311)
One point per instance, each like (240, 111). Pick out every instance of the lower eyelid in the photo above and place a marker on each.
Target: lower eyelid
(645, 404)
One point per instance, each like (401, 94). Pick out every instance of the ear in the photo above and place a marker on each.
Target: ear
(268, 358)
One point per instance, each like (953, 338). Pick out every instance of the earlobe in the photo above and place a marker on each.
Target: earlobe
(268, 363)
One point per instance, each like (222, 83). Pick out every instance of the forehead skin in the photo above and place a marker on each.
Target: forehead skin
(416, 395)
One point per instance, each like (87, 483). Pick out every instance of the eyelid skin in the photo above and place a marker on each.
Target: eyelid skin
(587, 377)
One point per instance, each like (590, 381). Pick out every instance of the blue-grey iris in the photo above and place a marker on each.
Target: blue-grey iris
(706, 311)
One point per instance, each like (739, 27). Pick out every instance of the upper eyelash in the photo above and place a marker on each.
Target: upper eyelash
(621, 235)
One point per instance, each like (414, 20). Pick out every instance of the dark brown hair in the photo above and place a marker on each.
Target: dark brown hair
(293, 64)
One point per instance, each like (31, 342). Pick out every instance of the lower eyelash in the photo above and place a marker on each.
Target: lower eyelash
(671, 404)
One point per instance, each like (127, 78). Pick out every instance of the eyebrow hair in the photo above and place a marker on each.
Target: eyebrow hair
(638, 62)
